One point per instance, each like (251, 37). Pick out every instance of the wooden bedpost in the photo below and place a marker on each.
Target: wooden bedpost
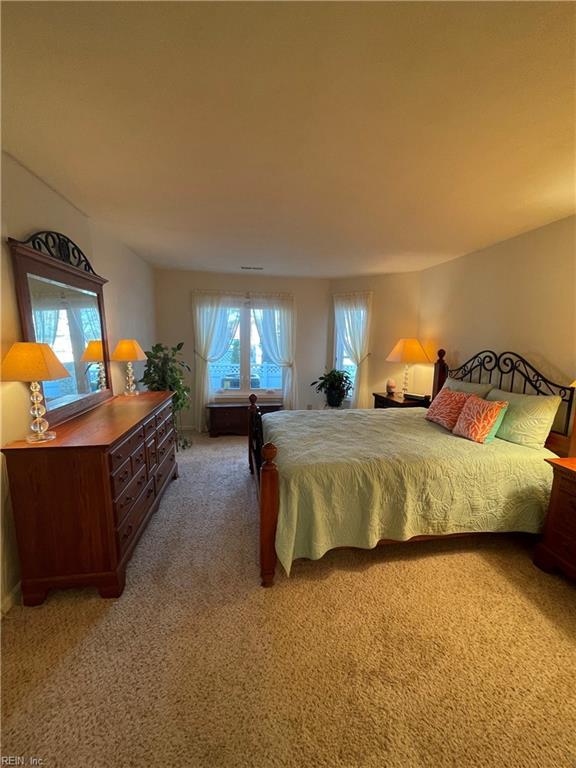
(440, 373)
(268, 514)
(252, 415)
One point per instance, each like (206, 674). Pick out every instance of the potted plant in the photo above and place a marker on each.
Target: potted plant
(165, 371)
(336, 385)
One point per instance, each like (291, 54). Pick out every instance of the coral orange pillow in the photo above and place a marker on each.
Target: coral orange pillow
(478, 417)
(446, 407)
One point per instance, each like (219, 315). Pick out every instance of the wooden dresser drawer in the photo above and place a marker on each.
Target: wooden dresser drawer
(138, 458)
(151, 455)
(161, 431)
(565, 512)
(124, 502)
(119, 454)
(121, 478)
(130, 526)
(163, 414)
(165, 446)
(150, 428)
(164, 471)
(126, 448)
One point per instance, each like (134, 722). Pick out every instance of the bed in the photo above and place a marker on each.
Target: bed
(359, 478)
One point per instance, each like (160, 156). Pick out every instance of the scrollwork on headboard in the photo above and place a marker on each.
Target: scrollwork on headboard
(513, 373)
(58, 246)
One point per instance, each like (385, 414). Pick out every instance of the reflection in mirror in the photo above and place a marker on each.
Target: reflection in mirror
(67, 319)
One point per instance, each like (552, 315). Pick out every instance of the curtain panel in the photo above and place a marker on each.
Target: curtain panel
(352, 320)
(276, 322)
(214, 329)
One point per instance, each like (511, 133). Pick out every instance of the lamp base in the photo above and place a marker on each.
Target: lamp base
(128, 393)
(40, 437)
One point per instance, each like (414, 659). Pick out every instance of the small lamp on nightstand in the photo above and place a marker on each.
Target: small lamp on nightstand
(32, 362)
(408, 351)
(94, 353)
(128, 351)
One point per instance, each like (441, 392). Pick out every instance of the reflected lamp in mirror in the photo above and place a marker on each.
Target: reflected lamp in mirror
(409, 352)
(128, 351)
(32, 362)
(94, 353)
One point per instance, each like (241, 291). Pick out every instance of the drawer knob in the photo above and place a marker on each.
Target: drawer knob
(127, 533)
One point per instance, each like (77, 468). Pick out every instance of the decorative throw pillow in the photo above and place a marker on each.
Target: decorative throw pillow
(529, 418)
(473, 388)
(446, 407)
(478, 417)
(493, 432)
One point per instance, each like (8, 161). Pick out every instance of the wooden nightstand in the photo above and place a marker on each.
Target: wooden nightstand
(382, 400)
(557, 549)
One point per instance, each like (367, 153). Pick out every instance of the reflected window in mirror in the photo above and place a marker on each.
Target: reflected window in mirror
(66, 318)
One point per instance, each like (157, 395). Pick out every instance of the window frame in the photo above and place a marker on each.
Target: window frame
(245, 332)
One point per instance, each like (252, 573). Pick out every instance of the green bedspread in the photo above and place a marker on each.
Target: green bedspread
(353, 477)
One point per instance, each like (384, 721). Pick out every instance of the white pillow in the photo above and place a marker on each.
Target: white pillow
(529, 418)
(470, 387)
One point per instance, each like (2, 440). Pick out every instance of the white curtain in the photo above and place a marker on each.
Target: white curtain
(352, 320)
(214, 328)
(276, 322)
(45, 325)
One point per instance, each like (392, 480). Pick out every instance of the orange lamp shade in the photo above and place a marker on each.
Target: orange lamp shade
(30, 361)
(94, 352)
(127, 351)
(408, 351)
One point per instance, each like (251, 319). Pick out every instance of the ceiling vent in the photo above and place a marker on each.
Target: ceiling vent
(256, 269)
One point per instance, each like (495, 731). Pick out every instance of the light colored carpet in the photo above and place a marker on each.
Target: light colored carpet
(456, 653)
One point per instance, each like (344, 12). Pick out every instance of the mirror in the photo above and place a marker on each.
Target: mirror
(61, 303)
(66, 318)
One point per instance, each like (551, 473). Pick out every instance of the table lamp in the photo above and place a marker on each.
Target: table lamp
(94, 353)
(33, 362)
(408, 351)
(128, 351)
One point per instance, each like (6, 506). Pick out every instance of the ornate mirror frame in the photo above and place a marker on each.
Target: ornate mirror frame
(54, 256)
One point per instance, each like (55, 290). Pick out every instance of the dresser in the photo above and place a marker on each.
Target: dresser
(232, 418)
(82, 500)
(557, 549)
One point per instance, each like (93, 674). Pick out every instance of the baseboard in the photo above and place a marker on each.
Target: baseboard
(14, 597)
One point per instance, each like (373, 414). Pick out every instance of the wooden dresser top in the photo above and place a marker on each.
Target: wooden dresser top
(102, 426)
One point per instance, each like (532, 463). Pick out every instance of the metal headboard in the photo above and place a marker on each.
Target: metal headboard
(512, 373)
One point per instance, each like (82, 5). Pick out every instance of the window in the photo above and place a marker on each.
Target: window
(351, 333)
(245, 366)
(343, 362)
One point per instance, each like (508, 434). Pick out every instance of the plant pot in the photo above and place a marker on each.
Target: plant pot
(334, 397)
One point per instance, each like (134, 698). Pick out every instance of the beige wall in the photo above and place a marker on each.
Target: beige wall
(518, 295)
(312, 300)
(29, 205)
(395, 302)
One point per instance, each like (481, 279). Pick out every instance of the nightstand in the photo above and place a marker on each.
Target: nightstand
(557, 549)
(382, 400)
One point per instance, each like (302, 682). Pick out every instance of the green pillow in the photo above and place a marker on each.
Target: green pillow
(472, 388)
(496, 426)
(528, 418)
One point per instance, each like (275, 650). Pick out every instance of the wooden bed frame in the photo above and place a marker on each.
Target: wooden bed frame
(507, 371)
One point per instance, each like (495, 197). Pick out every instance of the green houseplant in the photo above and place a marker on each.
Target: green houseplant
(336, 385)
(165, 371)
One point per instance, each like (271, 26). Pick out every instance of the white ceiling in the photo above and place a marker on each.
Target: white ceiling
(308, 138)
